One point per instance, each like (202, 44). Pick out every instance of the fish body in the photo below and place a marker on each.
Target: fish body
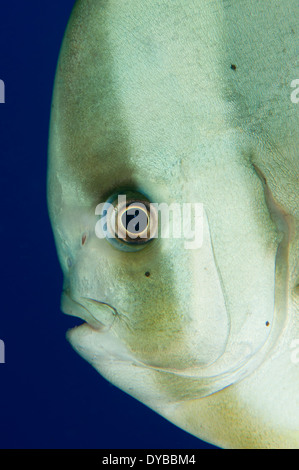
(185, 102)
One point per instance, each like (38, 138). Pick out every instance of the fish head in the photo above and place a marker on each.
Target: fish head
(149, 293)
(140, 110)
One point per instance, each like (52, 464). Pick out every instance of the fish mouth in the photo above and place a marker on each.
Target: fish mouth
(98, 315)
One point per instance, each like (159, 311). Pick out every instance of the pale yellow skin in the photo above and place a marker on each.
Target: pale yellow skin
(146, 98)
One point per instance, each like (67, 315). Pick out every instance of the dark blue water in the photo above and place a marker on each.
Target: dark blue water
(49, 396)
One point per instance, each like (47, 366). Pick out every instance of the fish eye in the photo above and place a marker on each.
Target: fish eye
(131, 220)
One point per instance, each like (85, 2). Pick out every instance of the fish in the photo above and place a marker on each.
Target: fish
(183, 104)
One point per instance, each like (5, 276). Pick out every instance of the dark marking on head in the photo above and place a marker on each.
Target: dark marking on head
(233, 67)
(267, 323)
(147, 274)
(83, 239)
(93, 131)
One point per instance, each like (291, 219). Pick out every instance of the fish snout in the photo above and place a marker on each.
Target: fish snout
(99, 315)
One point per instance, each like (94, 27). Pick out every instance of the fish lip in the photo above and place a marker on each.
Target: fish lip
(74, 308)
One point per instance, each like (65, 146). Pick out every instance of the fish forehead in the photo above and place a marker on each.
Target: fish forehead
(145, 112)
(120, 113)
(141, 93)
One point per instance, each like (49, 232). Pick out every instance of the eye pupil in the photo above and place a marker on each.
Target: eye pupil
(135, 221)
(131, 221)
